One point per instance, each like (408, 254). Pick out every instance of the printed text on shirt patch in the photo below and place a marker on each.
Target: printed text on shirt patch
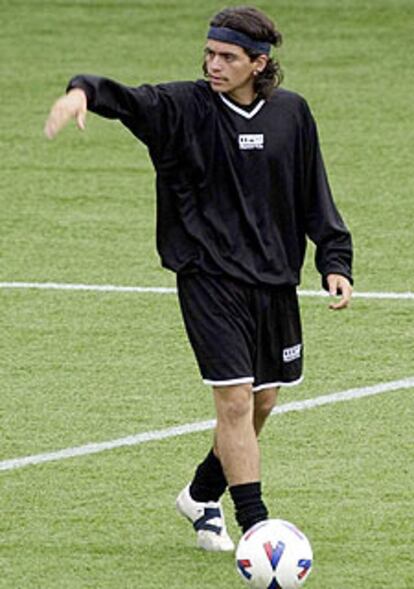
(251, 141)
(291, 354)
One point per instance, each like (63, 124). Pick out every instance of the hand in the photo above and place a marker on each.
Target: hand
(339, 285)
(71, 106)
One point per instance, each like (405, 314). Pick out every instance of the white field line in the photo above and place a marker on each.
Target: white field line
(171, 290)
(201, 426)
(88, 287)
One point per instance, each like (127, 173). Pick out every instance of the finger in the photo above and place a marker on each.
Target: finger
(333, 285)
(49, 130)
(339, 305)
(52, 126)
(81, 120)
(57, 119)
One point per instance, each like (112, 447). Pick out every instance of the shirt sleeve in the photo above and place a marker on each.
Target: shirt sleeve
(153, 114)
(323, 222)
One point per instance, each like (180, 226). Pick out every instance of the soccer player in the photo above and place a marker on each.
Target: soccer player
(241, 184)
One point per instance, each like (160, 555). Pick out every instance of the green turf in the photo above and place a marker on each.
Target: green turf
(100, 366)
(343, 473)
(88, 367)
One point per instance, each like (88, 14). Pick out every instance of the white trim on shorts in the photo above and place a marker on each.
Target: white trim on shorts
(230, 382)
(271, 385)
(250, 380)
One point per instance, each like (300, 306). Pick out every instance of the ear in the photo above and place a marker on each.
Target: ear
(261, 62)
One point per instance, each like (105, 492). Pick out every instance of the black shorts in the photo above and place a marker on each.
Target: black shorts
(242, 333)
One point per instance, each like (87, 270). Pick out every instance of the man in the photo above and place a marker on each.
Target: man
(240, 184)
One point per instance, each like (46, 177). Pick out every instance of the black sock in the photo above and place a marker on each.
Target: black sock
(248, 503)
(209, 482)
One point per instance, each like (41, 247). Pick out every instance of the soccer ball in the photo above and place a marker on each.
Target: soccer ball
(274, 554)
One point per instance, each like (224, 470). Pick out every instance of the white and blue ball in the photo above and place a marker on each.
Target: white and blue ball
(274, 554)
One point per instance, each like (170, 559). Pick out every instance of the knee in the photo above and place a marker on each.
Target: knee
(263, 410)
(234, 404)
(264, 402)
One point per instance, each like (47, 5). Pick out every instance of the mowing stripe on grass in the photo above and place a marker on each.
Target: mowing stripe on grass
(200, 426)
(171, 290)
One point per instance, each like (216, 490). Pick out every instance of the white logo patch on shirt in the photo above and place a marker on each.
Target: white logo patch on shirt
(291, 354)
(251, 141)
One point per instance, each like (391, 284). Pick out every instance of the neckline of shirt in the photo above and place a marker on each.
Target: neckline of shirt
(247, 111)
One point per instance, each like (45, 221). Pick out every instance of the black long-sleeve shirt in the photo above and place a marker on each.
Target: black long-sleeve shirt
(237, 191)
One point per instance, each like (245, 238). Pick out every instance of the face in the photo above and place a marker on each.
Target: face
(230, 69)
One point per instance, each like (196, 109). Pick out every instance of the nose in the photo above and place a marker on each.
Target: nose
(215, 63)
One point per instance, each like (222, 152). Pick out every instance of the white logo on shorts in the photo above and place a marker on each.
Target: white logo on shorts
(291, 354)
(251, 141)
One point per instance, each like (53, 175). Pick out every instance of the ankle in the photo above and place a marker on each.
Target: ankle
(249, 506)
(209, 482)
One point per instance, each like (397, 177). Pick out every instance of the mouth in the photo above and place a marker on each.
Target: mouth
(216, 79)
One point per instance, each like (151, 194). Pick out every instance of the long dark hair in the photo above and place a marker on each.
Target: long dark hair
(258, 26)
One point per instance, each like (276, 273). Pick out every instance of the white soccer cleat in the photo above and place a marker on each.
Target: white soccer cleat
(208, 521)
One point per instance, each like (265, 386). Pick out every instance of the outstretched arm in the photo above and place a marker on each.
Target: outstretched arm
(71, 106)
(153, 114)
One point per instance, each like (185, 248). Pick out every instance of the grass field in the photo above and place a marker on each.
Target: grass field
(81, 367)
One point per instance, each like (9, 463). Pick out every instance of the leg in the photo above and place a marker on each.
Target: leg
(210, 482)
(199, 502)
(236, 441)
(238, 451)
(264, 401)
